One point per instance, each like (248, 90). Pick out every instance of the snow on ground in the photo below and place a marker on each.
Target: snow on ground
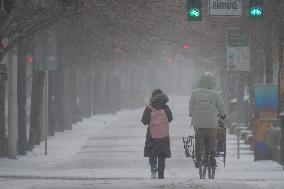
(60, 148)
(106, 151)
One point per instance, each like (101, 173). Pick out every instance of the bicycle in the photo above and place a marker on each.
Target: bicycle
(202, 162)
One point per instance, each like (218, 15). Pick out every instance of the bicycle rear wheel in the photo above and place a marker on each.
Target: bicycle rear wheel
(211, 172)
(202, 166)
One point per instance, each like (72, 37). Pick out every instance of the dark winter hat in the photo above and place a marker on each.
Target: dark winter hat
(156, 92)
(160, 97)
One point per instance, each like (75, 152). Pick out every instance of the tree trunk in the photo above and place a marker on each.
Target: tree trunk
(13, 108)
(89, 90)
(96, 89)
(60, 77)
(67, 98)
(2, 120)
(36, 101)
(84, 87)
(3, 139)
(22, 100)
(76, 110)
(58, 99)
(100, 98)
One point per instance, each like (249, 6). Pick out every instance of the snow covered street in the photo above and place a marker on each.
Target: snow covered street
(106, 151)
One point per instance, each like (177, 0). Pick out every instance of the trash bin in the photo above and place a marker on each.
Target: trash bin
(272, 139)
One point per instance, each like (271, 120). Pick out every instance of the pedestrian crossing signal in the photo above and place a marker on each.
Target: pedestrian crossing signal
(194, 10)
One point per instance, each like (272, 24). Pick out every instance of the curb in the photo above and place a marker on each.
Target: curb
(31, 177)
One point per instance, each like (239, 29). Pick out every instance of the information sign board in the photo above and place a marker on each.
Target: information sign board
(238, 51)
(225, 8)
(46, 51)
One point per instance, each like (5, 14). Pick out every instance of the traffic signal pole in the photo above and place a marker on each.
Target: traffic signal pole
(240, 110)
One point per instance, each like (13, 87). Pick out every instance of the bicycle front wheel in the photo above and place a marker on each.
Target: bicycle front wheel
(211, 172)
(202, 171)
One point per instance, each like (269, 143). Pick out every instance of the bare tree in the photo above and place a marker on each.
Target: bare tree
(20, 19)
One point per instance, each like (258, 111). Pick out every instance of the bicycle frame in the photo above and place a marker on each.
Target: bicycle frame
(191, 150)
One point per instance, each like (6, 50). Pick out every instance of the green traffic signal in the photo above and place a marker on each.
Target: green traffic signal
(256, 11)
(194, 10)
(256, 8)
(194, 13)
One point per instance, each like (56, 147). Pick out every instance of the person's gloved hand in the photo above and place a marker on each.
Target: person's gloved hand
(221, 123)
(223, 117)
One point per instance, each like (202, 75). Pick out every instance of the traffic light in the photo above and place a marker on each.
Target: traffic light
(256, 8)
(185, 46)
(29, 59)
(194, 10)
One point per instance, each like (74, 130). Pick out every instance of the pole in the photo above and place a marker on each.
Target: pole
(238, 142)
(240, 110)
(46, 110)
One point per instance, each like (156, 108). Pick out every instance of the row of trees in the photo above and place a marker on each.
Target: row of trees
(97, 45)
(22, 26)
(20, 22)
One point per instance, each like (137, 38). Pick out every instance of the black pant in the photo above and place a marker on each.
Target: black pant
(161, 165)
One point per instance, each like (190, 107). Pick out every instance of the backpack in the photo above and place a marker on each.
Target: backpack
(159, 124)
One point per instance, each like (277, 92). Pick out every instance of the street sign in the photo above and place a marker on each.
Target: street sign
(225, 8)
(45, 51)
(238, 51)
(3, 72)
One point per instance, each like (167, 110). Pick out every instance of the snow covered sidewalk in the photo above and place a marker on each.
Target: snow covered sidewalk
(61, 147)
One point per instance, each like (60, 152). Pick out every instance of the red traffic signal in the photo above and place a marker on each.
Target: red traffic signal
(185, 46)
(29, 59)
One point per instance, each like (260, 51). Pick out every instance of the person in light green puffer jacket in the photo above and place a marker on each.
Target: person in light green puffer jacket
(205, 103)
(204, 106)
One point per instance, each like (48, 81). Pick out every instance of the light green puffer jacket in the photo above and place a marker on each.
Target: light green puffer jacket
(205, 103)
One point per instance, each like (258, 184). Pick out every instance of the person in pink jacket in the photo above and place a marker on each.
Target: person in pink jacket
(157, 115)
